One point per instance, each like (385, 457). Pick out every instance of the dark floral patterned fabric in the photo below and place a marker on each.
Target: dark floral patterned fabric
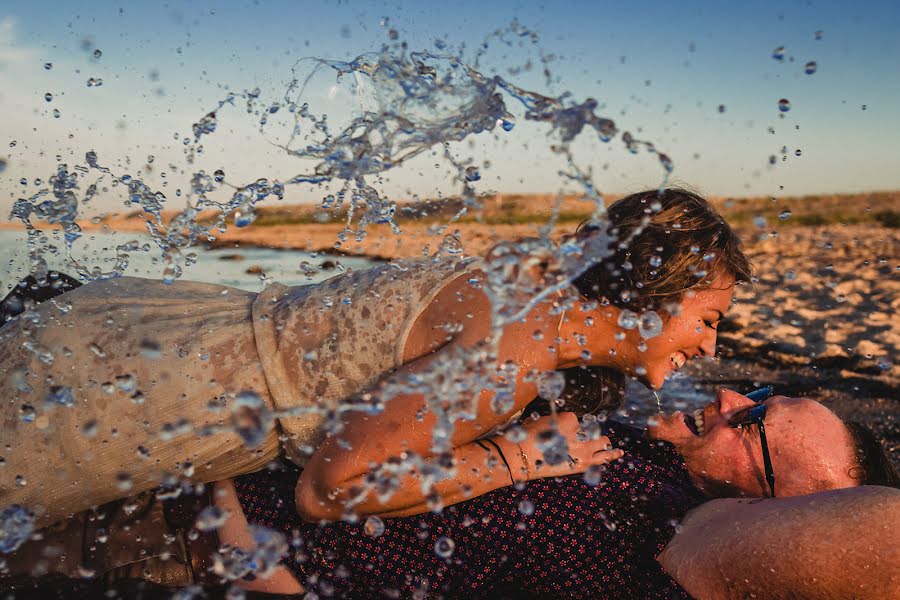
(556, 538)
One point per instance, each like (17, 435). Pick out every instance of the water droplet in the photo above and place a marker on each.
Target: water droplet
(89, 429)
(236, 593)
(627, 319)
(373, 527)
(219, 175)
(798, 152)
(666, 162)
(810, 67)
(526, 508)
(472, 174)
(125, 383)
(97, 350)
(123, 482)
(150, 349)
(3, 164)
(48, 66)
(721, 108)
(94, 82)
(60, 395)
(650, 325)
(204, 126)
(516, 434)
(48, 97)
(251, 418)
(444, 547)
(778, 53)
(211, 518)
(593, 475)
(56, 113)
(818, 35)
(98, 53)
(507, 122)
(245, 217)
(27, 413)
(785, 214)
(551, 385)
(784, 105)
(16, 526)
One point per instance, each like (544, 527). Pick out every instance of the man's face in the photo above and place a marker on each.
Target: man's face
(810, 447)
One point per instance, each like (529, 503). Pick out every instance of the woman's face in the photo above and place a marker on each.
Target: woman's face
(690, 333)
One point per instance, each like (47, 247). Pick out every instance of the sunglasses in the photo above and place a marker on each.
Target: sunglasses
(756, 415)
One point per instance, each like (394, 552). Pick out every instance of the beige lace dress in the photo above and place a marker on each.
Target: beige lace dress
(121, 385)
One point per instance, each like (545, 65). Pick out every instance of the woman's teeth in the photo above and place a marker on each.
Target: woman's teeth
(678, 359)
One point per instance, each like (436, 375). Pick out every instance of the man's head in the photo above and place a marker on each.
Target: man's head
(811, 448)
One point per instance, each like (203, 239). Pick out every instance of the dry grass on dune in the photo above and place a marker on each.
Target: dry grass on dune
(514, 209)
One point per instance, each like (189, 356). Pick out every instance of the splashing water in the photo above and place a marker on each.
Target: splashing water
(269, 547)
(410, 103)
(251, 418)
(444, 547)
(16, 526)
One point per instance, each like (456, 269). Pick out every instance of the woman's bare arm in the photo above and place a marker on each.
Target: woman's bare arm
(836, 544)
(480, 468)
(459, 322)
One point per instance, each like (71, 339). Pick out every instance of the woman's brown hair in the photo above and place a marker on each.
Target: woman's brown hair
(664, 242)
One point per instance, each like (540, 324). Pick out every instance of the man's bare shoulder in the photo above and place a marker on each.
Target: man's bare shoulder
(836, 544)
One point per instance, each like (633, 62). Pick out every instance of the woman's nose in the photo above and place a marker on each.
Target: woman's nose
(708, 345)
(730, 401)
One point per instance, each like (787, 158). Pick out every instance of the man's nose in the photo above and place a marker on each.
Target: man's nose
(730, 401)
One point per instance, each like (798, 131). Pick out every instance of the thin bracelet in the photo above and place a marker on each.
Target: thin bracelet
(505, 462)
(524, 458)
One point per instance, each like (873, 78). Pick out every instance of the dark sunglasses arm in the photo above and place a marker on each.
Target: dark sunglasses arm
(767, 460)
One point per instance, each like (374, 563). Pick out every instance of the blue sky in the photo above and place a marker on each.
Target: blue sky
(660, 69)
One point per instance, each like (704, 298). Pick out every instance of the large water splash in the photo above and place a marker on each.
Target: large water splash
(409, 103)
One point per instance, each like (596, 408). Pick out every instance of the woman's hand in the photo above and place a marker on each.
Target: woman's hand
(548, 451)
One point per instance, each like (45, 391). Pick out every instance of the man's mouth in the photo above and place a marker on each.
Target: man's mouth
(695, 422)
(678, 359)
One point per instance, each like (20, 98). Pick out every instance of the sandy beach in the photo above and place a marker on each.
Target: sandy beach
(820, 322)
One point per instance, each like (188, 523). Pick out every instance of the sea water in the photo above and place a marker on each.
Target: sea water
(244, 267)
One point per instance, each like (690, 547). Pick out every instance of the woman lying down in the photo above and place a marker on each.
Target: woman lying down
(686, 512)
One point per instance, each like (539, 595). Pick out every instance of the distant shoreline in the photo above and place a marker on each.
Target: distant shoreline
(423, 225)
